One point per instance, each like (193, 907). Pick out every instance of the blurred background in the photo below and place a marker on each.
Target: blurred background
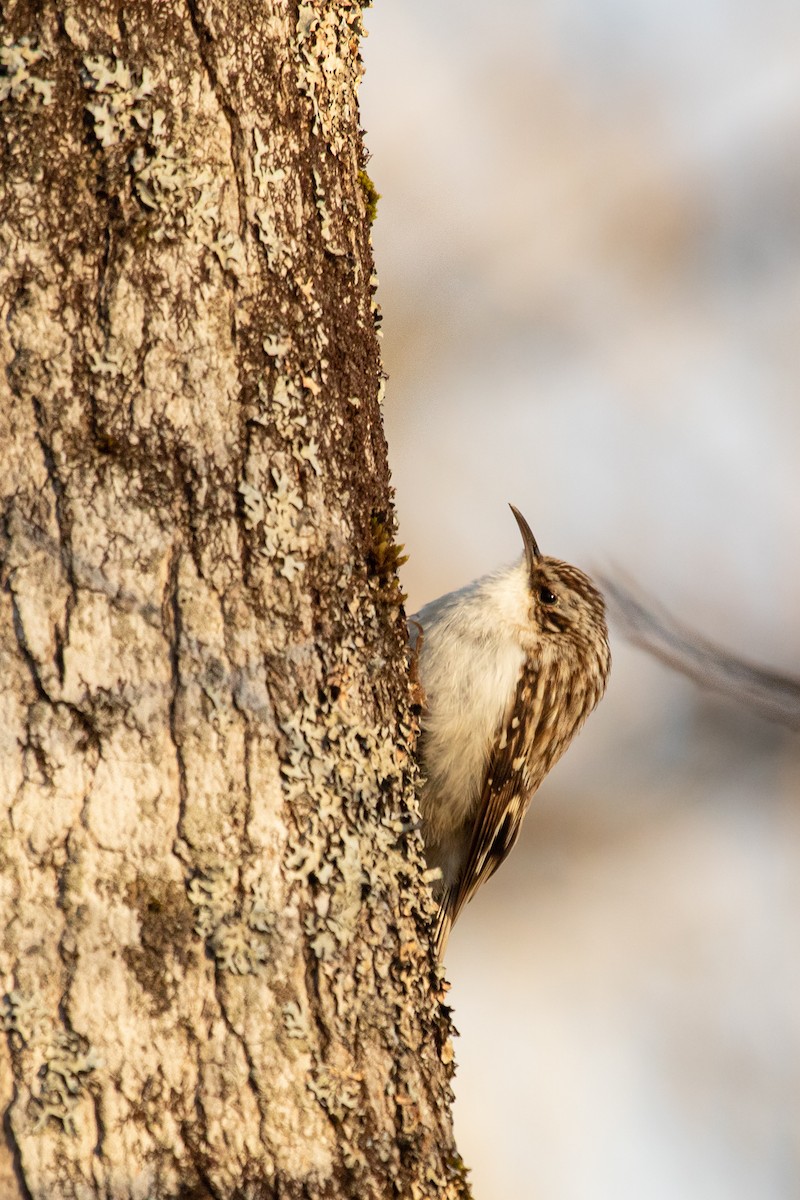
(589, 253)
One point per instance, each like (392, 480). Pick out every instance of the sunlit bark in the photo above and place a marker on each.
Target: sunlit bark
(214, 954)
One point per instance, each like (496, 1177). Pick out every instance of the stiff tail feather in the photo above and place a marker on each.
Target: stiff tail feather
(444, 923)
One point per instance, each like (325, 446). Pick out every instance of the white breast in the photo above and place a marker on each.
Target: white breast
(469, 666)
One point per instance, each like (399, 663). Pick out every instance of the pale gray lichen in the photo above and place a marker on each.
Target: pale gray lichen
(338, 1091)
(65, 1059)
(294, 1022)
(334, 766)
(186, 197)
(329, 67)
(253, 504)
(276, 504)
(68, 1061)
(321, 203)
(16, 80)
(187, 200)
(286, 407)
(116, 359)
(277, 200)
(161, 181)
(308, 452)
(22, 1016)
(121, 108)
(277, 346)
(235, 921)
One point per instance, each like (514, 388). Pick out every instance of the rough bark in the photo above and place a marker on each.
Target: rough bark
(214, 930)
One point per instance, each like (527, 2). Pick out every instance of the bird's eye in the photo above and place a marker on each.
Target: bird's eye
(546, 596)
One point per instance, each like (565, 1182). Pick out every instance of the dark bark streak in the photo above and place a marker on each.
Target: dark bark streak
(201, 1158)
(16, 1154)
(99, 1122)
(22, 642)
(219, 991)
(205, 43)
(248, 789)
(173, 630)
(65, 535)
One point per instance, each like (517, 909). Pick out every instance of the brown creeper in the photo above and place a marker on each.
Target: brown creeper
(511, 666)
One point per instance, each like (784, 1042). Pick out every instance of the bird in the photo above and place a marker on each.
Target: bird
(509, 666)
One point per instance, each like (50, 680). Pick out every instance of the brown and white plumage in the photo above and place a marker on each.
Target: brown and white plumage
(511, 666)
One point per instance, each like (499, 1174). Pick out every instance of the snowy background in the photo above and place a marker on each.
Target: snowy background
(589, 253)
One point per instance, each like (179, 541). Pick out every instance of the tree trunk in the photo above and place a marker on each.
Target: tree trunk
(214, 929)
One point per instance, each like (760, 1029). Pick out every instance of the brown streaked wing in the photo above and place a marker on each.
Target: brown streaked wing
(504, 801)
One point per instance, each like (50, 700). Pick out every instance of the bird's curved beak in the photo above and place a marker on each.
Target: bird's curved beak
(532, 551)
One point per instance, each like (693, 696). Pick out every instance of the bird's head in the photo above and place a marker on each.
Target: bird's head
(566, 612)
